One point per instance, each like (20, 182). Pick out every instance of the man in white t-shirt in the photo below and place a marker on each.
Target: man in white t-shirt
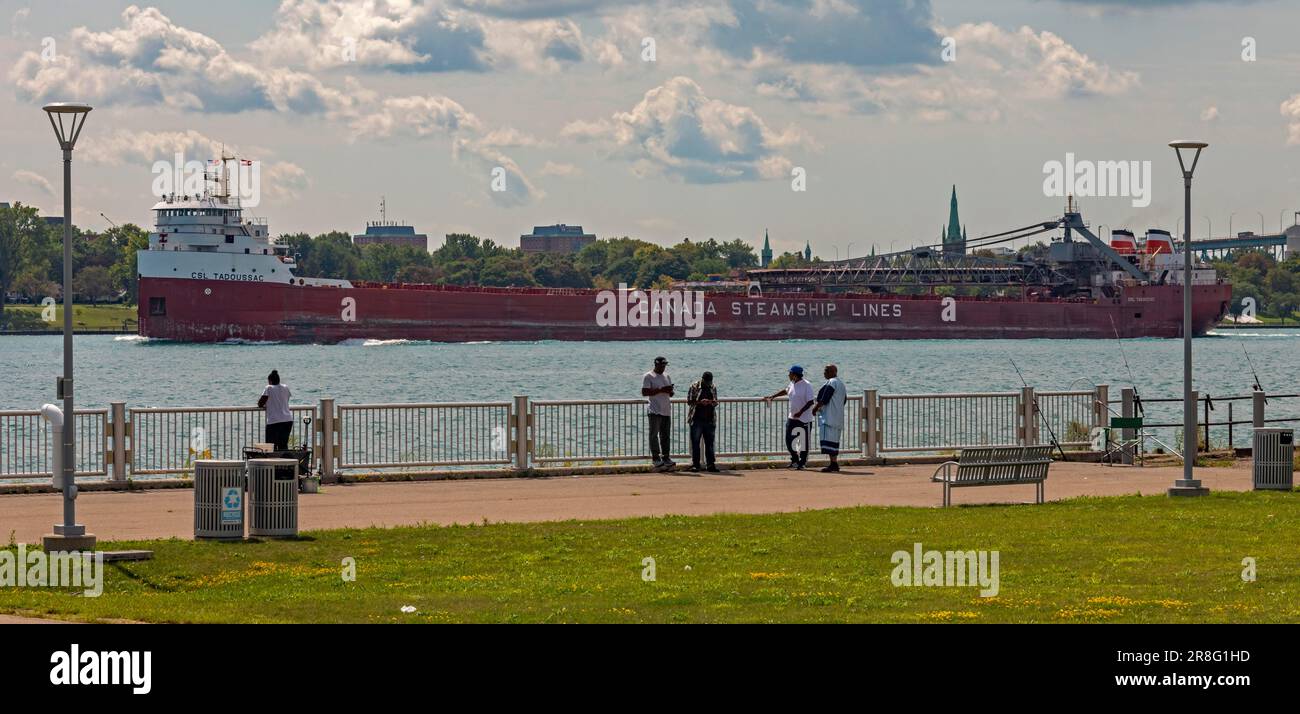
(657, 386)
(798, 423)
(279, 421)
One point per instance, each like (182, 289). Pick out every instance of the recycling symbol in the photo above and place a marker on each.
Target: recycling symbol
(232, 500)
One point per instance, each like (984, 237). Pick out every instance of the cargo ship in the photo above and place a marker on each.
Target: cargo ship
(212, 275)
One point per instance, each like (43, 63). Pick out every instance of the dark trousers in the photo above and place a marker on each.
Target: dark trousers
(801, 432)
(660, 429)
(278, 434)
(702, 431)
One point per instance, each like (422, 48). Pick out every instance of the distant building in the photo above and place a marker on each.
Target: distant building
(765, 258)
(807, 251)
(385, 232)
(954, 234)
(559, 238)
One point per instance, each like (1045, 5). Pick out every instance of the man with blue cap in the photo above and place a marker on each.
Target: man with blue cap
(798, 423)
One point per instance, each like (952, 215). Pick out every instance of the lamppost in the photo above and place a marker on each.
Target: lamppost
(68, 119)
(848, 252)
(1188, 485)
(1261, 222)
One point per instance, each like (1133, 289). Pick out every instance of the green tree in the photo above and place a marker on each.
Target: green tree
(504, 271)
(129, 240)
(92, 283)
(19, 226)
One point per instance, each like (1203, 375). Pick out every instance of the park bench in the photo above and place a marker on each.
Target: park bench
(995, 466)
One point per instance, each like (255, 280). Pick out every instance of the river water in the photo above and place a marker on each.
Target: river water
(145, 372)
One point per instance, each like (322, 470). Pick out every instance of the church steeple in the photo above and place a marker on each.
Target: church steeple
(807, 251)
(765, 258)
(954, 239)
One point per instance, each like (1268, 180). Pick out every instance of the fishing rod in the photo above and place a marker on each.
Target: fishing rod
(1252, 367)
(1041, 415)
(1137, 398)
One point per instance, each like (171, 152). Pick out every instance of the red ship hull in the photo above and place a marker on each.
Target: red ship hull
(212, 311)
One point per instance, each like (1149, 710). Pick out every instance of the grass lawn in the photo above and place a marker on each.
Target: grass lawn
(1124, 559)
(84, 317)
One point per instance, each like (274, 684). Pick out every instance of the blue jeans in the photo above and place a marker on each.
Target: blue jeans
(702, 431)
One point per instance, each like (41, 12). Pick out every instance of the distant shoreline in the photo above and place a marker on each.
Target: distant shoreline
(60, 332)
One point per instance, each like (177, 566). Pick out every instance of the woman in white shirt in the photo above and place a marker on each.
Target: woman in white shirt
(279, 421)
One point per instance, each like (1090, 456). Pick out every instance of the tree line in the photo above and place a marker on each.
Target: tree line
(31, 259)
(469, 260)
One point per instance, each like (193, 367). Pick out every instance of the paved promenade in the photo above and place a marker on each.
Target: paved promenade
(128, 515)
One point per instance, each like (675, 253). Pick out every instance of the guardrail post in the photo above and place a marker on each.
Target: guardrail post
(1257, 413)
(521, 442)
(118, 431)
(1128, 401)
(326, 427)
(1028, 417)
(871, 437)
(1101, 406)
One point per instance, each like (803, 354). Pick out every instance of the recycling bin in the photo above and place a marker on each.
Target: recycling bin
(218, 499)
(273, 497)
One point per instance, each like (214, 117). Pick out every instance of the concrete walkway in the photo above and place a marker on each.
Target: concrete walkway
(135, 515)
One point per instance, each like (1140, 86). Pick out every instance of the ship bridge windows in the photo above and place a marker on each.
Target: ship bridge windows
(157, 307)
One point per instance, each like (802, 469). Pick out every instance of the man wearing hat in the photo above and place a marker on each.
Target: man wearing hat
(658, 387)
(798, 423)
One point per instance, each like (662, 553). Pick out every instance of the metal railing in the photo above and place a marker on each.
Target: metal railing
(437, 437)
(573, 431)
(167, 440)
(1071, 415)
(375, 436)
(26, 449)
(943, 422)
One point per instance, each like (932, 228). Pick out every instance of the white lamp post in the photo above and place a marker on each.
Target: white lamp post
(67, 119)
(1188, 485)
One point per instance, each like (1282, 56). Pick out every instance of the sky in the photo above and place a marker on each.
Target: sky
(663, 120)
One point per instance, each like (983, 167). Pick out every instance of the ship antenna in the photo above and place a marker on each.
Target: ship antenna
(1137, 398)
(1040, 413)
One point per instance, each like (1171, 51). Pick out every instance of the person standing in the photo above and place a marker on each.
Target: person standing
(658, 387)
(829, 411)
(798, 423)
(702, 399)
(279, 421)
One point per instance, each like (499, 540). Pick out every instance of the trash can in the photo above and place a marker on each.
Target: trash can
(1273, 452)
(218, 499)
(273, 497)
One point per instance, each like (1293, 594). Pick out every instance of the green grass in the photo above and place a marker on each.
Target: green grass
(1121, 559)
(84, 317)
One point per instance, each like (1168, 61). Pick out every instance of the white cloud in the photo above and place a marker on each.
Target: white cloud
(1291, 110)
(553, 168)
(280, 180)
(995, 71)
(677, 130)
(440, 116)
(401, 35)
(151, 60)
(1210, 113)
(18, 22)
(35, 180)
